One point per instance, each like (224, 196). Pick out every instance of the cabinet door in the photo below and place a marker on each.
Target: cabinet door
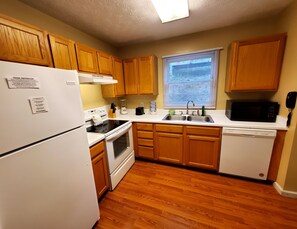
(169, 147)
(202, 152)
(255, 64)
(147, 75)
(118, 75)
(99, 164)
(86, 58)
(105, 63)
(100, 174)
(63, 52)
(131, 76)
(23, 43)
(115, 90)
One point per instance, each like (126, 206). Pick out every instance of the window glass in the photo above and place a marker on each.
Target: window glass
(190, 77)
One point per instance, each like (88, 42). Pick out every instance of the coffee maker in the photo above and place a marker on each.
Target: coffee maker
(123, 109)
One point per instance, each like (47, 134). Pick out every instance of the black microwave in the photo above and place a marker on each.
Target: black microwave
(252, 110)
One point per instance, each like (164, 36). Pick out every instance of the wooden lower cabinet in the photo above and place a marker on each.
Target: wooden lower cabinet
(144, 140)
(202, 152)
(99, 164)
(169, 143)
(202, 147)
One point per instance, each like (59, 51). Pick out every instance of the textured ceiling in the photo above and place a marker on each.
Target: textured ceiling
(124, 22)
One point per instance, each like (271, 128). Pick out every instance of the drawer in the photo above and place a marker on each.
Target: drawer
(97, 149)
(145, 142)
(145, 134)
(205, 131)
(144, 126)
(169, 128)
(147, 152)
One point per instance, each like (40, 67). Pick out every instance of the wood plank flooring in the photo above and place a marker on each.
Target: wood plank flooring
(159, 196)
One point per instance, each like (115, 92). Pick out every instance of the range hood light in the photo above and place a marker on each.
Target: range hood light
(170, 10)
(95, 79)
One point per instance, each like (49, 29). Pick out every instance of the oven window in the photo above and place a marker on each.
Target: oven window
(121, 144)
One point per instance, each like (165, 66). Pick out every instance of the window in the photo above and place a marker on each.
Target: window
(191, 77)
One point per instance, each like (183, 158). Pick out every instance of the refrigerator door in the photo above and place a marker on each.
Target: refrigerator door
(49, 185)
(36, 103)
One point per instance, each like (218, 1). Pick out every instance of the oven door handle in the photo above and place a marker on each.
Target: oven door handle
(118, 133)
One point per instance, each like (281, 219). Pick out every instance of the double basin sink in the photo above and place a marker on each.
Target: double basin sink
(191, 118)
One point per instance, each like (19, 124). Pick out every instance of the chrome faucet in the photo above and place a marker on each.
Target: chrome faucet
(188, 105)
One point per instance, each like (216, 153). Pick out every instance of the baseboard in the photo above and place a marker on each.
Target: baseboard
(283, 192)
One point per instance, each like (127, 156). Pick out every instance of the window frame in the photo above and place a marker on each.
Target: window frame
(215, 70)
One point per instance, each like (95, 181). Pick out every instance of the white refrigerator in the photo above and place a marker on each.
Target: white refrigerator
(46, 178)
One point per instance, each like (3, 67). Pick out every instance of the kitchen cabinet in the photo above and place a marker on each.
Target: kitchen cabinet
(23, 43)
(169, 143)
(144, 140)
(202, 147)
(115, 90)
(63, 52)
(255, 64)
(141, 76)
(105, 63)
(86, 58)
(276, 155)
(99, 165)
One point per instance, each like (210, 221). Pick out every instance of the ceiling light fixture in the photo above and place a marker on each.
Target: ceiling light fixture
(170, 10)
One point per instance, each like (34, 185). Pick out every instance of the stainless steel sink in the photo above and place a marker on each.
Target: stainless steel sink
(190, 118)
(206, 118)
(175, 117)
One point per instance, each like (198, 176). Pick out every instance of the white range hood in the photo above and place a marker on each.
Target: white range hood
(85, 78)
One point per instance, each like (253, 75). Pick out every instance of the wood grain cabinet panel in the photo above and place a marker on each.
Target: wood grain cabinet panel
(202, 147)
(105, 63)
(86, 58)
(115, 90)
(169, 147)
(99, 164)
(148, 75)
(255, 64)
(131, 76)
(202, 152)
(141, 76)
(63, 52)
(20, 42)
(169, 143)
(143, 140)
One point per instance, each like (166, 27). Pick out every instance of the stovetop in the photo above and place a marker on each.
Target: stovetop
(106, 126)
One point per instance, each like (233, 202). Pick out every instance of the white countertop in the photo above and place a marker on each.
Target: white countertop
(218, 117)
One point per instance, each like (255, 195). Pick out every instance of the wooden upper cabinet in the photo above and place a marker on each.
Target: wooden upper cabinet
(63, 52)
(255, 64)
(147, 75)
(105, 63)
(141, 76)
(20, 42)
(115, 90)
(131, 76)
(86, 58)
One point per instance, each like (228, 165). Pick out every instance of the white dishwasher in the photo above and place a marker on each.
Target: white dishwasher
(246, 152)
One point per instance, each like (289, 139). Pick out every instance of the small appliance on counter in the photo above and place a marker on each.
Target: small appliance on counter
(252, 110)
(139, 110)
(123, 109)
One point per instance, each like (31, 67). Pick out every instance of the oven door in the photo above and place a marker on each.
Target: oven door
(118, 146)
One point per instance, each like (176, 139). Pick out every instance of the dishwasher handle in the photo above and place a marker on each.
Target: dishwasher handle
(249, 132)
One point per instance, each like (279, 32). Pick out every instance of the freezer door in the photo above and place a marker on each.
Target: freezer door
(36, 103)
(49, 185)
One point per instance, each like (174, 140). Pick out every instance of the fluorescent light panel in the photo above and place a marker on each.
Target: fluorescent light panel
(170, 10)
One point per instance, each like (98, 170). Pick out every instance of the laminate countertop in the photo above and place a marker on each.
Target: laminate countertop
(218, 116)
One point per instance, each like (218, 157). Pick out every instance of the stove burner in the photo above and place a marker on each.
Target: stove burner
(106, 126)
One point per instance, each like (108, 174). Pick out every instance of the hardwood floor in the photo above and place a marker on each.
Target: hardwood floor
(160, 196)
